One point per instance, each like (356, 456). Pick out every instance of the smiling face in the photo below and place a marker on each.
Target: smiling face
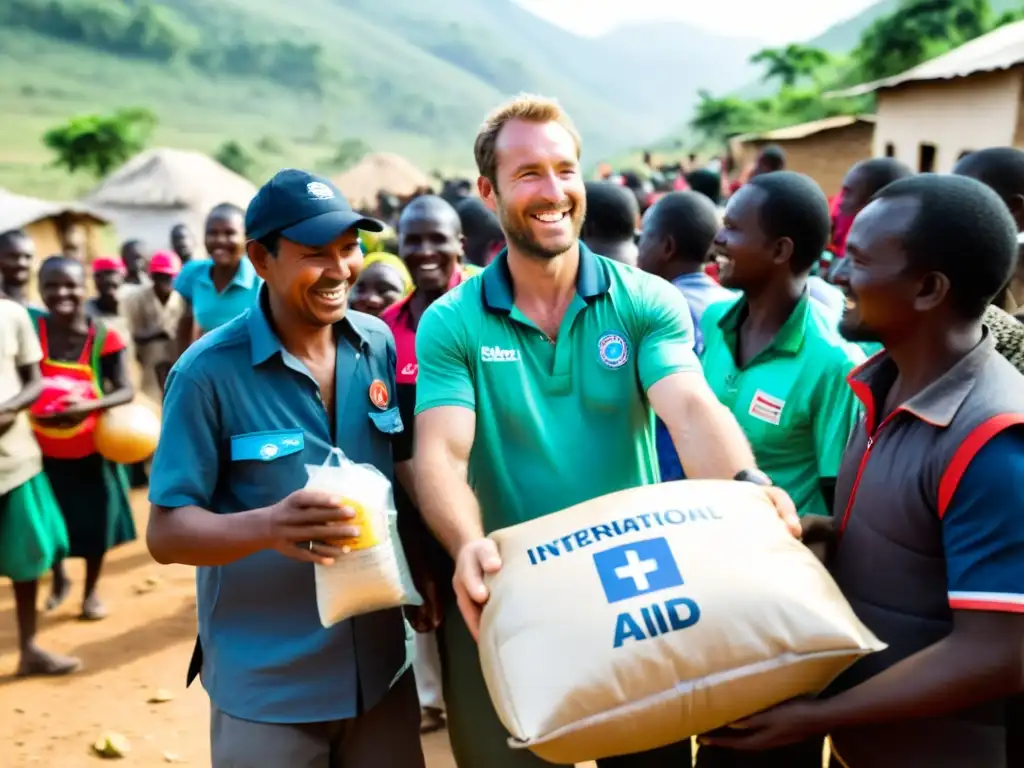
(62, 287)
(744, 253)
(539, 194)
(225, 239)
(431, 247)
(378, 287)
(880, 288)
(311, 283)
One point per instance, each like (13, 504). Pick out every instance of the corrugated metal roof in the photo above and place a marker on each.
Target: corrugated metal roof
(1000, 49)
(803, 130)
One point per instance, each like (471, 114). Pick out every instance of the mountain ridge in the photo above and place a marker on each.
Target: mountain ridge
(401, 75)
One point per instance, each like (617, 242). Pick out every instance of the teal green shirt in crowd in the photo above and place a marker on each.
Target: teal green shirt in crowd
(792, 399)
(556, 423)
(210, 308)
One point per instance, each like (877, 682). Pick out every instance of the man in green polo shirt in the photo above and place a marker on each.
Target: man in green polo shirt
(536, 386)
(775, 359)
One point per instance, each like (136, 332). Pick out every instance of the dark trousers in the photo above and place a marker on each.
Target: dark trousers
(805, 754)
(386, 736)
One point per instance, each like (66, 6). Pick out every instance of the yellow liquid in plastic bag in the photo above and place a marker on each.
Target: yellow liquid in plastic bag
(367, 532)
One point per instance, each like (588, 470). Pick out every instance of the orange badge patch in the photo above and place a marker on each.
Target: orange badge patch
(379, 394)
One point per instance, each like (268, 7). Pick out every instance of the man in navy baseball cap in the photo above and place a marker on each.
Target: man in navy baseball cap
(304, 208)
(284, 385)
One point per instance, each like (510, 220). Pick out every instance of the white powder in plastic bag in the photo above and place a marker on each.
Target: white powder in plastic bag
(374, 575)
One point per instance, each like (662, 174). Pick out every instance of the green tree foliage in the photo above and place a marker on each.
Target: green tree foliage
(237, 158)
(99, 143)
(790, 64)
(155, 32)
(916, 31)
(350, 152)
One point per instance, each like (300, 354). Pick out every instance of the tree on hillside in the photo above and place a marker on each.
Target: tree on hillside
(350, 152)
(920, 30)
(790, 64)
(100, 143)
(718, 118)
(235, 157)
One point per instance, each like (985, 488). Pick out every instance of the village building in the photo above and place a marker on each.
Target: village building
(54, 227)
(159, 188)
(823, 149)
(382, 173)
(969, 98)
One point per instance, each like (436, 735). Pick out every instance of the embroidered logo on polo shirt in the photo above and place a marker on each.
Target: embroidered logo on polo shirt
(499, 355)
(766, 408)
(613, 350)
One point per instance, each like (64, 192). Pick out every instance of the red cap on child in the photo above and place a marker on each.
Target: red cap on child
(165, 263)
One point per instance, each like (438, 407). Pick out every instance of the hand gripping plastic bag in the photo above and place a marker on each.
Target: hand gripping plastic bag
(643, 617)
(374, 574)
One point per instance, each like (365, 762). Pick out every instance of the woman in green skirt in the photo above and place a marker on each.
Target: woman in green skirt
(32, 533)
(84, 373)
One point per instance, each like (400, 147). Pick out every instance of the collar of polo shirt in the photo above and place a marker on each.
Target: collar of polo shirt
(937, 403)
(265, 343)
(245, 277)
(499, 294)
(790, 337)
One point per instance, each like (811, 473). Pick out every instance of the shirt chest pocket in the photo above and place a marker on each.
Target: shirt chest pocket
(267, 466)
(773, 421)
(385, 426)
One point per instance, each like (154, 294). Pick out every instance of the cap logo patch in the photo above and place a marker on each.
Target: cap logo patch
(319, 190)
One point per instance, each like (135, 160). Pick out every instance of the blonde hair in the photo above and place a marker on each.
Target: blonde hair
(527, 107)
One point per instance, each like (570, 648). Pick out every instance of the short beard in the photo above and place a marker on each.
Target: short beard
(520, 236)
(858, 333)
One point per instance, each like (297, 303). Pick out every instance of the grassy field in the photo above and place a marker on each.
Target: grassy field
(43, 83)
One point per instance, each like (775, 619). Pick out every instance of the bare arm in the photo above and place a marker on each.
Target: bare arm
(707, 438)
(980, 660)
(115, 373)
(405, 474)
(184, 334)
(444, 439)
(31, 387)
(195, 536)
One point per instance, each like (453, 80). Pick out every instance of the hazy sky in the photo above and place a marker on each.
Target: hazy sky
(779, 21)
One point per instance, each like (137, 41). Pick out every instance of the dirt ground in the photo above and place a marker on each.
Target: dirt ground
(144, 646)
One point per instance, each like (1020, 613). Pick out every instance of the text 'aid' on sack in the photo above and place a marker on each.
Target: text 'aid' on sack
(647, 616)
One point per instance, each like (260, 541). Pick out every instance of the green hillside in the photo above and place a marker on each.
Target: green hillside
(401, 75)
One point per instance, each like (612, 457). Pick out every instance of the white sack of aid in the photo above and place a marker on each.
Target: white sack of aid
(644, 617)
(374, 574)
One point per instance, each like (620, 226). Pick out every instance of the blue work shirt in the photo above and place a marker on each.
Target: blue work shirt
(210, 308)
(242, 420)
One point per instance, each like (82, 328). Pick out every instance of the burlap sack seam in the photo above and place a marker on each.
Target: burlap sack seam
(790, 659)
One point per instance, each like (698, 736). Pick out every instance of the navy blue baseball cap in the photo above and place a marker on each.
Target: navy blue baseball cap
(304, 208)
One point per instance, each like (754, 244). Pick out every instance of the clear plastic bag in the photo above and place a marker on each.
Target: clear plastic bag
(374, 574)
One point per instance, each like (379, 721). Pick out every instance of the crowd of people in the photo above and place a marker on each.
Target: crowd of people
(538, 344)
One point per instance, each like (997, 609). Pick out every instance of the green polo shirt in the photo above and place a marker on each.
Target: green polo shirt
(562, 423)
(792, 400)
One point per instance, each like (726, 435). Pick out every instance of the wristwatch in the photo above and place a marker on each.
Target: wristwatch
(755, 476)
